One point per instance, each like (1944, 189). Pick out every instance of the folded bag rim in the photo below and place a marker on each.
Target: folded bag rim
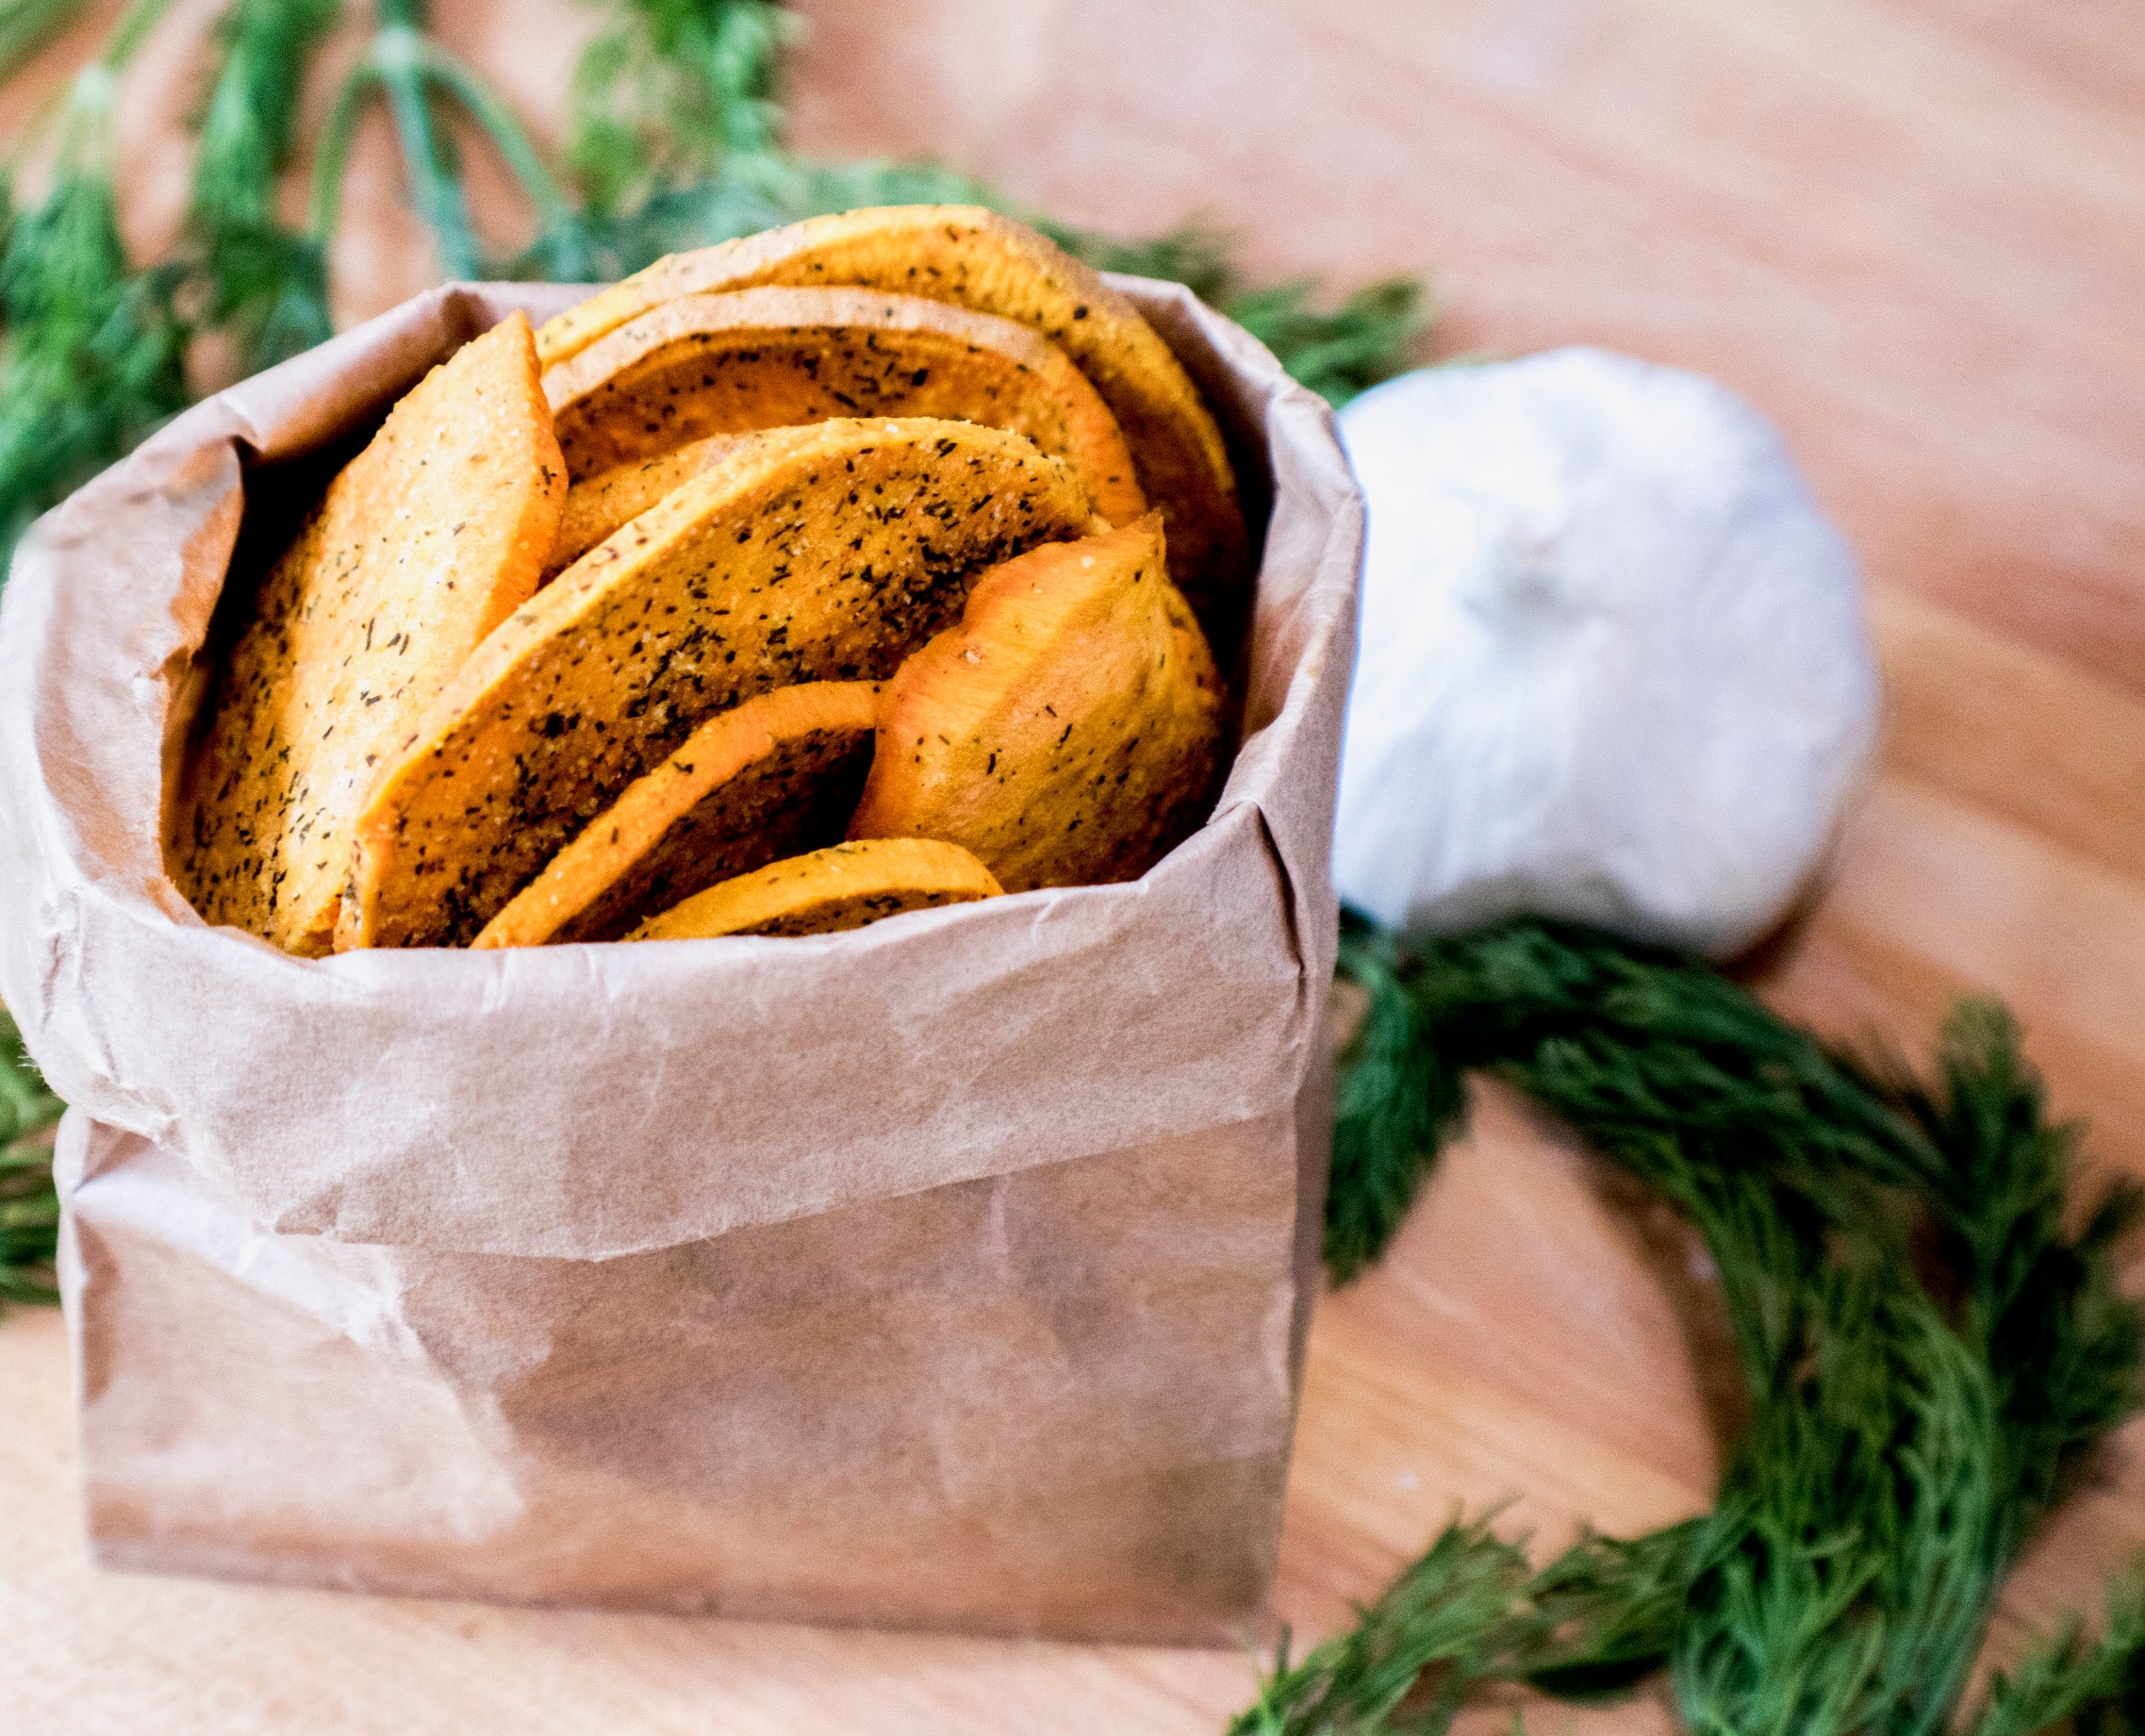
(316, 1090)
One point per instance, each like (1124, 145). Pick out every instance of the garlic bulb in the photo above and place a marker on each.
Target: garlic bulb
(1613, 665)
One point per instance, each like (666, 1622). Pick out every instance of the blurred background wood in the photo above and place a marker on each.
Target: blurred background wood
(1911, 230)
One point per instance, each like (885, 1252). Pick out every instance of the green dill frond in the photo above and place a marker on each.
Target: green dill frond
(2040, 1303)
(1470, 1612)
(2066, 1682)
(672, 92)
(1370, 337)
(1608, 1610)
(265, 281)
(245, 125)
(1929, 1349)
(27, 26)
(26, 1103)
(394, 66)
(1453, 1616)
(411, 72)
(29, 1223)
(670, 222)
(807, 187)
(93, 356)
(1192, 253)
(269, 286)
(1395, 1103)
(29, 1210)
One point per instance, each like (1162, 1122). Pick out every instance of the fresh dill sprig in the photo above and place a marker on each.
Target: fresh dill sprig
(1342, 351)
(1194, 254)
(1929, 1350)
(676, 140)
(95, 349)
(2066, 1682)
(27, 26)
(1337, 353)
(669, 93)
(29, 1209)
(1394, 1103)
(1459, 1613)
(1470, 1612)
(93, 356)
(261, 279)
(407, 67)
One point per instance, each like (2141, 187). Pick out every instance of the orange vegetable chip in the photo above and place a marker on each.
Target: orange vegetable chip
(842, 888)
(426, 540)
(823, 554)
(706, 365)
(776, 777)
(1066, 731)
(979, 259)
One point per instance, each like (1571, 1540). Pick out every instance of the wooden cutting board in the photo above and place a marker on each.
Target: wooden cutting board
(1911, 230)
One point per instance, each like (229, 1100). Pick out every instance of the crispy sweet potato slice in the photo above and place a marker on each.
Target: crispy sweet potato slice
(777, 776)
(424, 542)
(1066, 731)
(823, 554)
(767, 358)
(600, 506)
(842, 888)
(603, 505)
(974, 256)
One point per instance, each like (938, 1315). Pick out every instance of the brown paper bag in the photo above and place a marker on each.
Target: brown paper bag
(949, 1273)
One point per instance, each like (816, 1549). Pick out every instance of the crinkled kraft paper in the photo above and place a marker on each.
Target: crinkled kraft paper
(949, 1273)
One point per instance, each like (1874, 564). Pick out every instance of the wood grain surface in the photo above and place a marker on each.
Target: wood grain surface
(1911, 230)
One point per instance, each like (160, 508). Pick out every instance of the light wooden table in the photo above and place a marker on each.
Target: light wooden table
(1914, 232)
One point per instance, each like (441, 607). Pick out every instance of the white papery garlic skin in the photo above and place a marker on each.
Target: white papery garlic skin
(1613, 664)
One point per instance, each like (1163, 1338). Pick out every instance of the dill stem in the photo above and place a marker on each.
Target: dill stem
(397, 56)
(27, 26)
(130, 32)
(411, 67)
(331, 154)
(83, 107)
(29, 1207)
(34, 131)
(555, 214)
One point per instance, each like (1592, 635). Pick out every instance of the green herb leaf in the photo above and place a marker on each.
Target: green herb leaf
(1365, 339)
(670, 94)
(2093, 1688)
(29, 1210)
(1453, 1619)
(94, 350)
(677, 142)
(1395, 1103)
(263, 280)
(27, 26)
(1929, 1350)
